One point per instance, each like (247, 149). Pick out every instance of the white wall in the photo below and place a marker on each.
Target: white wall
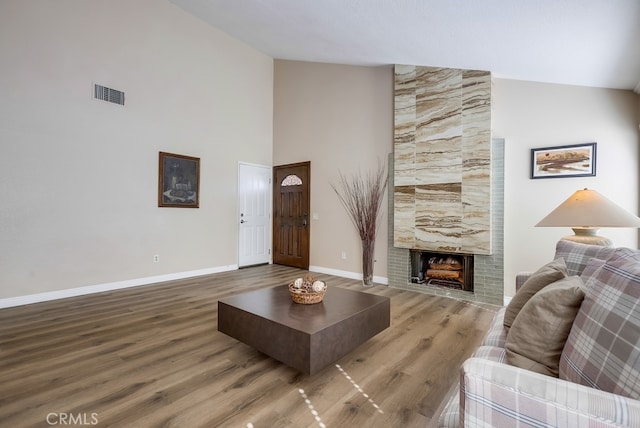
(339, 117)
(78, 177)
(529, 115)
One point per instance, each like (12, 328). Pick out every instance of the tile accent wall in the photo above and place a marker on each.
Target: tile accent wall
(488, 269)
(442, 138)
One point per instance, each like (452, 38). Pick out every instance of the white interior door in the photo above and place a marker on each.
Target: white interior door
(254, 214)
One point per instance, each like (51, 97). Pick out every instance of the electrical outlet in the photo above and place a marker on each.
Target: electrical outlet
(156, 258)
(344, 255)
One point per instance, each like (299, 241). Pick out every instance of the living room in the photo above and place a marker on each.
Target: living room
(75, 218)
(237, 105)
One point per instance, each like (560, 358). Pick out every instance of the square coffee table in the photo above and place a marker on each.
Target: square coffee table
(305, 337)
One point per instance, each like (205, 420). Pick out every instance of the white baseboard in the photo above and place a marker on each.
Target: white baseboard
(99, 288)
(346, 274)
(507, 299)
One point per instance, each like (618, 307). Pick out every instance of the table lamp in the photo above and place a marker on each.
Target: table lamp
(585, 212)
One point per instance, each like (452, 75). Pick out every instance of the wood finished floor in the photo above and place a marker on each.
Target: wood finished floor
(152, 356)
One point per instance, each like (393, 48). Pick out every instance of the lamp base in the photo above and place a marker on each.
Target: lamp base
(588, 235)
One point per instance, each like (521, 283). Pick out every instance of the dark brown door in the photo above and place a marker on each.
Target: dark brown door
(291, 214)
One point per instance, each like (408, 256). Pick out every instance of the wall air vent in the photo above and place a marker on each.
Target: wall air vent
(107, 94)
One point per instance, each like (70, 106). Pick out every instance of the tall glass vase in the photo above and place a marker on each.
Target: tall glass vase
(367, 262)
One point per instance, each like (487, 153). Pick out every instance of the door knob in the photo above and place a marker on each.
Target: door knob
(243, 221)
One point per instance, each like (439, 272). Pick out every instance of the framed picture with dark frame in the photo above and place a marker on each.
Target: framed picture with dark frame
(178, 181)
(576, 160)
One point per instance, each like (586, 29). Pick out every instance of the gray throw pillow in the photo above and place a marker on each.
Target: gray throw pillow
(547, 274)
(538, 334)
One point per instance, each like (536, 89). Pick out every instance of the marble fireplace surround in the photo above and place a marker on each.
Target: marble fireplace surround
(442, 148)
(446, 177)
(488, 270)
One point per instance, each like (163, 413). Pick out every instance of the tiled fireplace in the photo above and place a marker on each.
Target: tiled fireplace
(445, 185)
(488, 270)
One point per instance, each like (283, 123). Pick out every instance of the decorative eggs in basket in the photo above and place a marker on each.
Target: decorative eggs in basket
(307, 291)
(318, 286)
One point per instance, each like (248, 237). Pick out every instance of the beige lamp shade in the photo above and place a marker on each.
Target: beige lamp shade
(585, 212)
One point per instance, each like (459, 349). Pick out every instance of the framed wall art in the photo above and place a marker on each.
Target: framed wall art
(577, 160)
(178, 181)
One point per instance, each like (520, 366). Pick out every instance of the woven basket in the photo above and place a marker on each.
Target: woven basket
(306, 296)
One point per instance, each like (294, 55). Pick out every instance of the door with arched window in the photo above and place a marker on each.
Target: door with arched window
(291, 204)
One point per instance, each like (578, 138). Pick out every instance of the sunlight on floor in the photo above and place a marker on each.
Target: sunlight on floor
(356, 386)
(313, 411)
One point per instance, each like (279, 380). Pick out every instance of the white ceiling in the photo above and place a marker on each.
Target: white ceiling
(578, 42)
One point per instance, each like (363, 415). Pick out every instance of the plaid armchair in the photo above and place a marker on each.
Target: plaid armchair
(599, 369)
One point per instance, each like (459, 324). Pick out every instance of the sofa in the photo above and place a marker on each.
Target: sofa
(565, 351)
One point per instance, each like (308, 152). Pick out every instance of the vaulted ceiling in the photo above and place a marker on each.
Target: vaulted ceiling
(577, 42)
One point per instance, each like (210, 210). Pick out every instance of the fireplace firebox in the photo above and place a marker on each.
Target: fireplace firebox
(438, 269)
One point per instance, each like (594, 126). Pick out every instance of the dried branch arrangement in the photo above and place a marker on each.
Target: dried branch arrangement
(361, 195)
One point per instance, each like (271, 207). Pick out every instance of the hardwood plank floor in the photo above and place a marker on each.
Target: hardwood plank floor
(152, 356)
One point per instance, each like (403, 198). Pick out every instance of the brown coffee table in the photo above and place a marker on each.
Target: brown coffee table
(305, 337)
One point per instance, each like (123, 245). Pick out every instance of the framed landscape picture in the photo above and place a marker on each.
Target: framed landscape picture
(577, 160)
(178, 181)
